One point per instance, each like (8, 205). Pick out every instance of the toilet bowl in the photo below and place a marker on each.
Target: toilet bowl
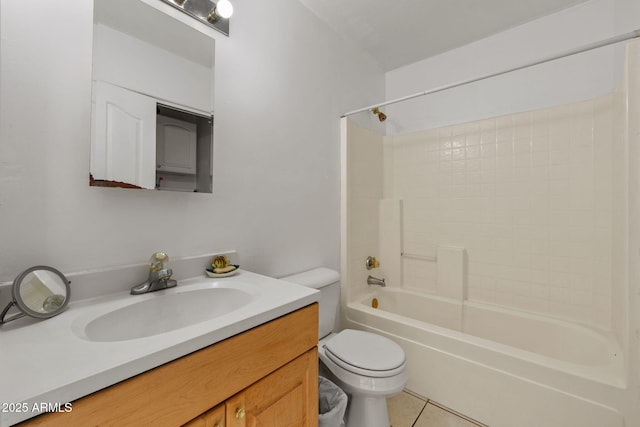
(368, 367)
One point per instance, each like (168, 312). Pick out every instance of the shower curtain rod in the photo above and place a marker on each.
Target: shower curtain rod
(606, 42)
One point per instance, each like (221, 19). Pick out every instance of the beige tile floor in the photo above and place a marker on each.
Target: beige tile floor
(409, 410)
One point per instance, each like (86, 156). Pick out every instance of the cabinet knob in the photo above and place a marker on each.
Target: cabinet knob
(240, 413)
(218, 425)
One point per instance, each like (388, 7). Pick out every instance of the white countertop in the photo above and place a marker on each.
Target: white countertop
(47, 361)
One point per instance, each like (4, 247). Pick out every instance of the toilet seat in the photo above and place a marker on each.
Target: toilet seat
(366, 354)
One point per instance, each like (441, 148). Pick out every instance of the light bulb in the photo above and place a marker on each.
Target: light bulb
(224, 9)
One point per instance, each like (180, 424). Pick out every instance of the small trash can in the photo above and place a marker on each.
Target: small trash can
(332, 404)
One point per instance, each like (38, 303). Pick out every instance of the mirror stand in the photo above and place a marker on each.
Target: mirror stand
(40, 292)
(3, 316)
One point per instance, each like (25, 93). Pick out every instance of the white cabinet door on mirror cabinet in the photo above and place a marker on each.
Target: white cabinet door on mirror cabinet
(123, 144)
(176, 145)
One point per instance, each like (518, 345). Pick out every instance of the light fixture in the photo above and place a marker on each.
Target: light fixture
(213, 13)
(222, 9)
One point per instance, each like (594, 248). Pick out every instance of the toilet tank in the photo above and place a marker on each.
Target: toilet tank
(327, 281)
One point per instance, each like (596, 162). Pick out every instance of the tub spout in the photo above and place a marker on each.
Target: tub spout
(375, 281)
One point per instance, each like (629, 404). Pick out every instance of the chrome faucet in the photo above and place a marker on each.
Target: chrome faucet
(156, 281)
(375, 281)
(159, 275)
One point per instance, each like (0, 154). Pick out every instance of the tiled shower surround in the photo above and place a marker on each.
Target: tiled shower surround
(508, 226)
(530, 196)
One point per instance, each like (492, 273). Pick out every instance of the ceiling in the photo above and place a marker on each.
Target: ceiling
(400, 32)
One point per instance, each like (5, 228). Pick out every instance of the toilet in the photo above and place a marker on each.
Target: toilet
(367, 366)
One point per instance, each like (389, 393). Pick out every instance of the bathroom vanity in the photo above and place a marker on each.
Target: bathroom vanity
(241, 348)
(265, 376)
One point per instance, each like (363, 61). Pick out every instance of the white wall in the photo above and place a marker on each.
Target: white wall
(573, 79)
(152, 70)
(633, 187)
(282, 80)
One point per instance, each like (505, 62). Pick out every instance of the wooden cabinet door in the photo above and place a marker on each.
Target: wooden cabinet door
(286, 398)
(212, 418)
(236, 411)
(123, 143)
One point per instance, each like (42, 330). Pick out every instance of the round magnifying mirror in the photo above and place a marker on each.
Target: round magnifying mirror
(41, 292)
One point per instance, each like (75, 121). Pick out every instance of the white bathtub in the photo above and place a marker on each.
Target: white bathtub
(499, 366)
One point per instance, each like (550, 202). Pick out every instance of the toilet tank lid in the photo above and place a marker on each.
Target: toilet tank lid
(316, 278)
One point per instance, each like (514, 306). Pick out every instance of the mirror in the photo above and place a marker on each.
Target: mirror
(41, 292)
(152, 100)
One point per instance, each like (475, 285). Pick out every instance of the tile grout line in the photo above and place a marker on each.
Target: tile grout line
(424, 400)
(421, 411)
(457, 414)
(444, 408)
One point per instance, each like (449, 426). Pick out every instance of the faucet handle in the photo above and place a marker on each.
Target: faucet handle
(160, 275)
(371, 262)
(160, 279)
(158, 261)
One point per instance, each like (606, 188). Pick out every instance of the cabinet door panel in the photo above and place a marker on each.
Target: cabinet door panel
(123, 145)
(212, 418)
(177, 145)
(216, 417)
(287, 397)
(288, 411)
(236, 411)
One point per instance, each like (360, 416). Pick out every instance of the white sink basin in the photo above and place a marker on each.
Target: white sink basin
(160, 313)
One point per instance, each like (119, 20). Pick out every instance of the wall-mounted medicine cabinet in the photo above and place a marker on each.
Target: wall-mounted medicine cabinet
(152, 100)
